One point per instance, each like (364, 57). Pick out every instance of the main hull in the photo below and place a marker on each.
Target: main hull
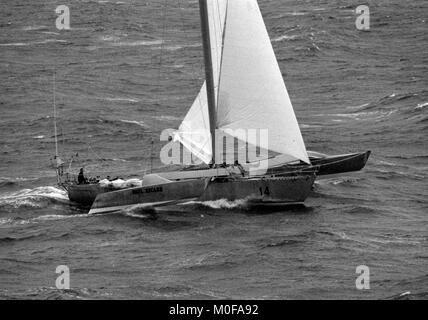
(159, 194)
(324, 167)
(85, 194)
(268, 190)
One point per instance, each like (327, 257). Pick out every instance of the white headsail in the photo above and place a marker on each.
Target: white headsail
(194, 132)
(248, 83)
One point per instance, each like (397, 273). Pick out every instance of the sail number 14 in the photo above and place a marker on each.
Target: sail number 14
(264, 191)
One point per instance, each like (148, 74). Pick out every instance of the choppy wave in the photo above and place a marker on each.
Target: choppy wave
(408, 295)
(33, 237)
(32, 43)
(420, 106)
(136, 43)
(282, 242)
(222, 204)
(34, 28)
(140, 212)
(407, 157)
(11, 181)
(180, 47)
(207, 261)
(385, 107)
(367, 115)
(344, 180)
(117, 41)
(360, 209)
(133, 100)
(167, 118)
(34, 198)
(138, 123)
(42, 218)
(52, 293)
(111, 37)
(295, 13)
(285, 37)
(385, 174)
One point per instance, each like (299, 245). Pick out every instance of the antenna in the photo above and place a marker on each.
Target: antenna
(54, 110)
(58, 162)
(151, 156)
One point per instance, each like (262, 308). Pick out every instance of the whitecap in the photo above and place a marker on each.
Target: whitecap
(367, 115)
(5, 221)
(359, 106)
(284, 37)
(306, 126)
(344, 236)
(35, 198)
(140, 211)
(337, 181)
(180, 47)
(137, 43)
(14, 44)
(50, 217)
(138, 123)
(110, 38)
(16, 179)
(295, 13)
(421, 106)
(51, 32)
(167, 118)
(132, 100)
(46, 191)
(21, 44)
(221, 204)
(53, 217)
(34, 28)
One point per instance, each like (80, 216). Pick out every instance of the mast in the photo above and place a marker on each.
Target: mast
(209, 74)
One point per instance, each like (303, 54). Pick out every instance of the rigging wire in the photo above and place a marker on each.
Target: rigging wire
(54, 110)
(165, 9)
(161, 60)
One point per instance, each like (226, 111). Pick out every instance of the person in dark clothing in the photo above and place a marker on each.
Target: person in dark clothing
(81, 177)
(240, 167)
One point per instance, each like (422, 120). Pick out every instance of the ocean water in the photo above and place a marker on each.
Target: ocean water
(129, 69)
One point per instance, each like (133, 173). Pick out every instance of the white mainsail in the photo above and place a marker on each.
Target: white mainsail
(248, 83)
(217, 21)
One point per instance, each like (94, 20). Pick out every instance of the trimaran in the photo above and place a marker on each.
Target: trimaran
(244, 92)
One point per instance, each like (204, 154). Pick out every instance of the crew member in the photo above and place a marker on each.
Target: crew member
(81, 177)
(240, 167)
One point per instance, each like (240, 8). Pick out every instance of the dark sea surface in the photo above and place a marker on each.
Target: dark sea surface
(129, 69)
